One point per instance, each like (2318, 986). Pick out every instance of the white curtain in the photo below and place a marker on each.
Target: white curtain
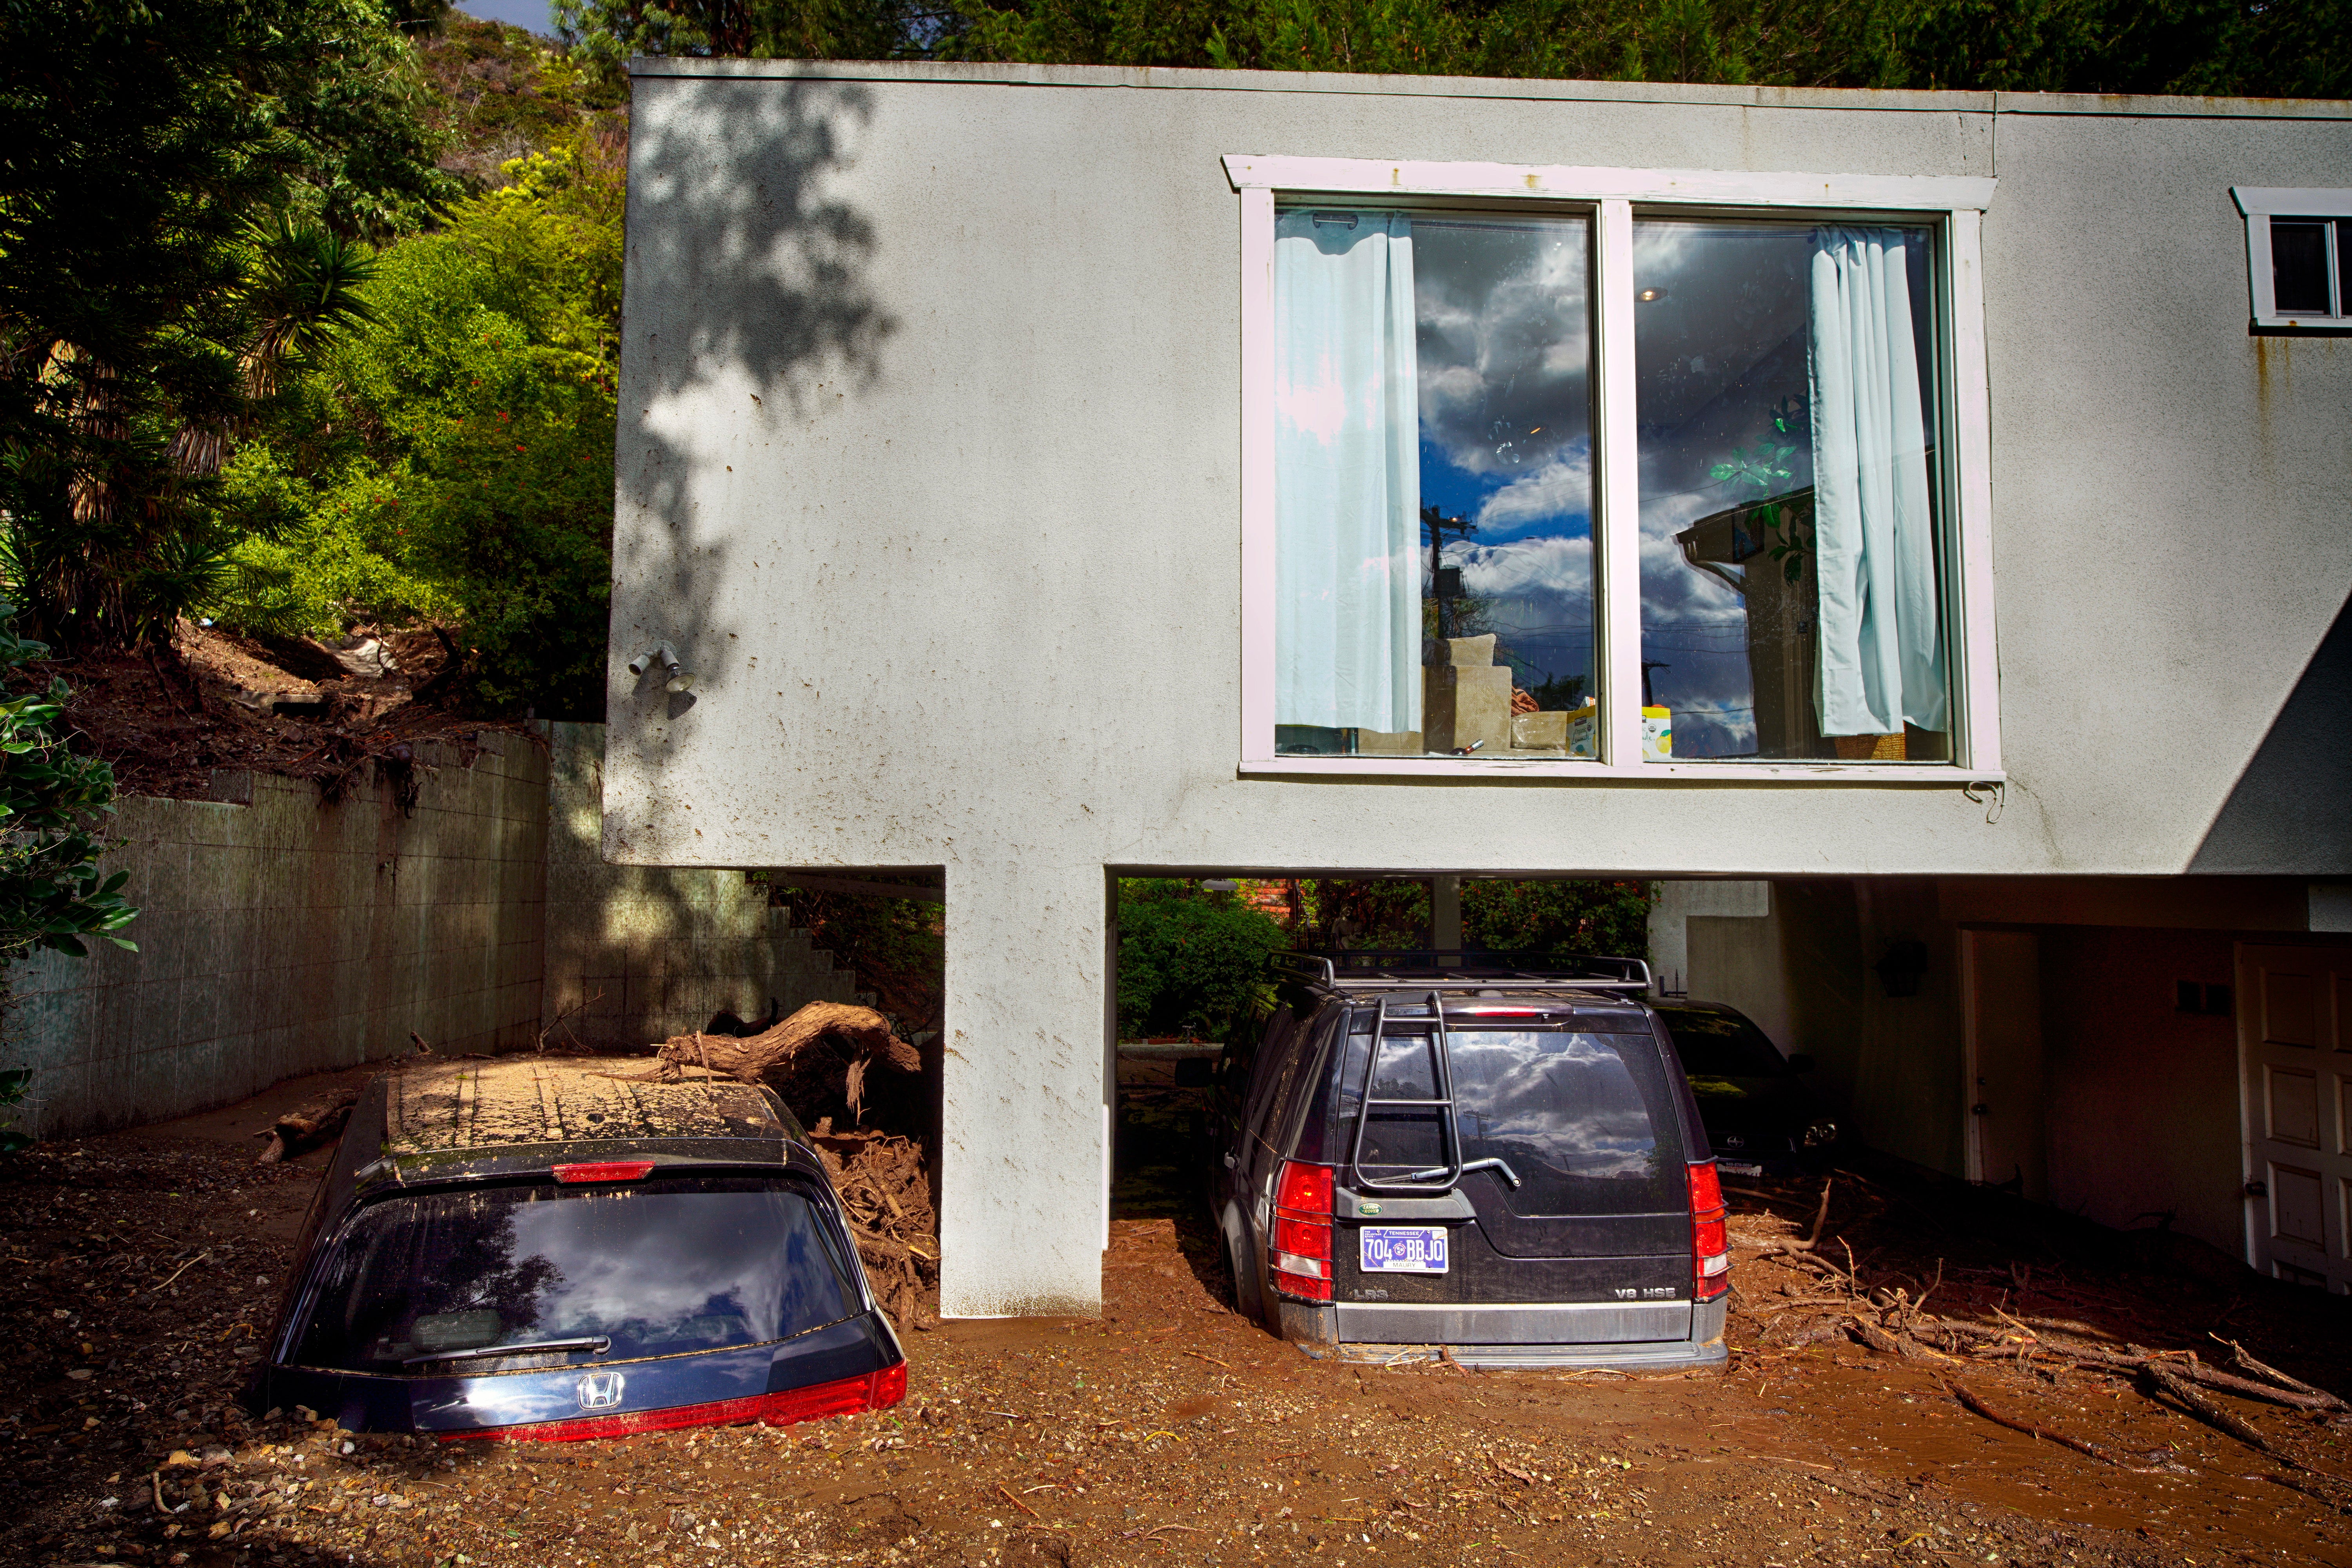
(1347, 462)
(1882, 646)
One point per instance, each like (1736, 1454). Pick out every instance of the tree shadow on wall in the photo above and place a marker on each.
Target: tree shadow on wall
(747, 300)
(2290, 813)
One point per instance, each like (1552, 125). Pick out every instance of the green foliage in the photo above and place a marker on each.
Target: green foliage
(52, 893)
(1190, 963)
(171, 181)
(607, 32)
(496, 87)
(1557, 919)
(451, 458)
(2298, 47)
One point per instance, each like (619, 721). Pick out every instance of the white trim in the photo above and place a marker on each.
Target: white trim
(1257, 473)
(2279, 201)
(2259, 204)
(1617, 519)
(1612, 196)
(1811, 771)
(1974, 654)
(1569, 182)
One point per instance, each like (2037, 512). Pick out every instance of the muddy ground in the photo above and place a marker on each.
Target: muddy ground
(144, 1264)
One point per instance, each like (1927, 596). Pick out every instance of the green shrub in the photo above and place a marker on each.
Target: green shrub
(1189, 963)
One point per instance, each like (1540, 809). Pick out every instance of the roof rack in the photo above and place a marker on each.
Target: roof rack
(1413, 969)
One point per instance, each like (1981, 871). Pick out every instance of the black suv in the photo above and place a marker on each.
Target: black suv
(1517, 1176)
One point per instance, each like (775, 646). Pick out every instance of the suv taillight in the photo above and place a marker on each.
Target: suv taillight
(1299, 1257)
(1711, 1246)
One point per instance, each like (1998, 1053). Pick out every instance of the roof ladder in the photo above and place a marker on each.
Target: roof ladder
(1444, 1177)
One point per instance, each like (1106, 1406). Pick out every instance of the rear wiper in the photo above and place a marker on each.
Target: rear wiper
(1439, 1174)
(596, 1344)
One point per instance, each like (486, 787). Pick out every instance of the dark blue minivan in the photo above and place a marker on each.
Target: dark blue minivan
(536, 1248)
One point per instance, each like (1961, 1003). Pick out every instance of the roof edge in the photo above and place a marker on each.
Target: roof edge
(1706, 94)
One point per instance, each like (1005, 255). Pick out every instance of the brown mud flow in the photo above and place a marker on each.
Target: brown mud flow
(146, 1263)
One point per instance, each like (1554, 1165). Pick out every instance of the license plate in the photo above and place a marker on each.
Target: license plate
(1402, 1248)
(1738, 1168)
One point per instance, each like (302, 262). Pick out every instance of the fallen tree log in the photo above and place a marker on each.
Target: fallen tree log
(307, 1127)
(822, 1056)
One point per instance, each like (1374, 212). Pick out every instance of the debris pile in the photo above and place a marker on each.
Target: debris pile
(882, 1184)
(1826, 1293)
(839, 1066)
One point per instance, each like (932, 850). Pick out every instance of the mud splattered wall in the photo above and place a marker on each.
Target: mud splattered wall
(279, 936)
(636, 954)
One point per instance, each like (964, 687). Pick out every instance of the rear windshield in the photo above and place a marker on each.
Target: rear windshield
(1586, 1122)
(1715, 1042)
(662, 1267)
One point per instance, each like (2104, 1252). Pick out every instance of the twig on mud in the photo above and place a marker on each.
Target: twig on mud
(1211, 1359)
(182, 1269)
(1970, 1400)
(1131, 1534)
(2205, 1410)
(2271, 1374)
(1813, 1239)
(1016, 1502)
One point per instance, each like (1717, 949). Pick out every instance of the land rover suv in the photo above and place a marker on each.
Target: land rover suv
(1473, 1156)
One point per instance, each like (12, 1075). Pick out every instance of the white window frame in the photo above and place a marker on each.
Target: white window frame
(2260, 204)
(1954, 204)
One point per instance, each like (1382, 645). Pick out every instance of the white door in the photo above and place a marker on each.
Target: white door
(2295, 1059)
(2001, 991)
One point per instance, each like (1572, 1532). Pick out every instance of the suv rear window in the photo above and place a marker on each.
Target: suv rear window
(1585, 1121)
(661, 1267)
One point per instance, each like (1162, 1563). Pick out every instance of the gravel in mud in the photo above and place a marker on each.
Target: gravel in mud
(1165, 1432)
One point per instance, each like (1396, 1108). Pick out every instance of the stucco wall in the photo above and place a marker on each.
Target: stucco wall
(279, 936)
(638, 953)
(929, 468)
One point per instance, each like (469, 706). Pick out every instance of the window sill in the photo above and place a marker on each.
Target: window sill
(1491, 768)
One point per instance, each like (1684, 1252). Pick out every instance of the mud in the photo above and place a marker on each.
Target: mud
(1167, 1431)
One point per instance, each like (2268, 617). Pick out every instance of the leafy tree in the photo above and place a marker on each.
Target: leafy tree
(1556, 919)
(450, 460)
(2284, 47)
(52, 894)
(169, 180)
(1190, 963)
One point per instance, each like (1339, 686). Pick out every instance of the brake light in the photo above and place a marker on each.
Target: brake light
(842, 1396)
(605, 1171)
(1300, 1256)
(1710, 1239)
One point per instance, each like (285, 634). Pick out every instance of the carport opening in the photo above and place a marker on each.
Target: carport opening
(1190, 973)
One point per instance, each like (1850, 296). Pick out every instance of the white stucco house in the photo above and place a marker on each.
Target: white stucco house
(1909, 529)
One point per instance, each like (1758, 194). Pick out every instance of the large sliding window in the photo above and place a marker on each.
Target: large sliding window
(1612, 486)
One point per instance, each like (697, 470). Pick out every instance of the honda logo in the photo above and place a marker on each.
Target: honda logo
(601, 1390)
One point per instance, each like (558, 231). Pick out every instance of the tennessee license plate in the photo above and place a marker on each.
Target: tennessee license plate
(1402, 1248)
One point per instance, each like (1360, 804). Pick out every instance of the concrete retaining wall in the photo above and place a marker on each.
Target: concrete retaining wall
(279, 936)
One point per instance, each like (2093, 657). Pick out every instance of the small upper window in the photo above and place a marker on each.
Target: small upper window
(2298, 257)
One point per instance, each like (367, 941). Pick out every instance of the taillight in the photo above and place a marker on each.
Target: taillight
(843, 1396)
(605, 1171)
(1710, 1242)
(1299, 1257)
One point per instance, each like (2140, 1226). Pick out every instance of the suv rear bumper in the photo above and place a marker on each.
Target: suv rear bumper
(1595, 1334)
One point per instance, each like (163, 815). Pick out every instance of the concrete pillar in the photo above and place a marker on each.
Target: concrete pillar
(1444, 912)
(1024, 1147)
(1671, 905)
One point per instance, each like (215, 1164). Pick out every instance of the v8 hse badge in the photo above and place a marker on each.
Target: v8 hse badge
(601, 1390)
(1401, 1248)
